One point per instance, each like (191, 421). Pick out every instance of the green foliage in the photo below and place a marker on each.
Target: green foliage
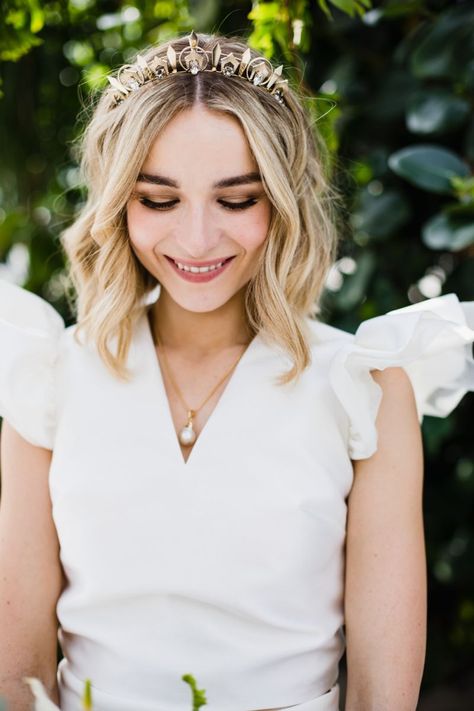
(402, 139)
(391, 90)
(436, 111)
(87, 696)
(452, 229)
(445, 47)
(351, 7)
(283, 26)
(406, 137)
(199, 695)
(429, 167)
(78, 44)
(21, 21)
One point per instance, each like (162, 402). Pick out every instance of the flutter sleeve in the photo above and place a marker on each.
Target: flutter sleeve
(432, 340)
(30, 330)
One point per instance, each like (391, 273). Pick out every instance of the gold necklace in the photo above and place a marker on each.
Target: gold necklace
(187, 435)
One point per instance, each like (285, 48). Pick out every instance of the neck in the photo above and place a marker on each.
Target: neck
(200, 332)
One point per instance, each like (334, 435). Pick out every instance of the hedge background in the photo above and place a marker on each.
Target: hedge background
(395, 82)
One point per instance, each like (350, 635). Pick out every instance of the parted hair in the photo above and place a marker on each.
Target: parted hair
(108, 280)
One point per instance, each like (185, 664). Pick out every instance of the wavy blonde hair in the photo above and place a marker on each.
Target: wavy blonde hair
(108, 279)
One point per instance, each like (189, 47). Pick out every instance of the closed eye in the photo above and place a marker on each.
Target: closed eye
(167, 205)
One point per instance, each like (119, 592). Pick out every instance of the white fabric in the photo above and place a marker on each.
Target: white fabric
(431, 340)
(30, 329)
(230, 566)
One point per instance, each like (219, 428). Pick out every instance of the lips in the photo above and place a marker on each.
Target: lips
(198, 277)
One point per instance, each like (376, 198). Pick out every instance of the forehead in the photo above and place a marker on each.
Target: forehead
(199, 140)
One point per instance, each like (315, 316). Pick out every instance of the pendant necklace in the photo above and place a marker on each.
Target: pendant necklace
(187, 435)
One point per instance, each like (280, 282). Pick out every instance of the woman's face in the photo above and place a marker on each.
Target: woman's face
(199, 200)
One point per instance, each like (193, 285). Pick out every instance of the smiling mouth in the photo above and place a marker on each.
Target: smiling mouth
(199, 267)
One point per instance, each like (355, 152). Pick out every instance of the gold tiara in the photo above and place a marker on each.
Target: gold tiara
(194, 59)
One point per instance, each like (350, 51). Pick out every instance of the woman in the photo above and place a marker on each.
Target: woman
(222, 484)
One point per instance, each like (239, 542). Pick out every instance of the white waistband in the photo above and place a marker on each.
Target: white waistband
(71, 689)
(326, 702)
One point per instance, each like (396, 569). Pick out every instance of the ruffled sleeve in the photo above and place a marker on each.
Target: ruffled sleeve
(30, 329)
(432, 340)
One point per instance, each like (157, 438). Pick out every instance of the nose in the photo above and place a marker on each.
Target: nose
(197, 235)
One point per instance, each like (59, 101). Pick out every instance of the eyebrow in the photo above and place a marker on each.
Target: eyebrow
(224, 183)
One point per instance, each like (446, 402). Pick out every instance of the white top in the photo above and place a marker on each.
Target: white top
(230, 566)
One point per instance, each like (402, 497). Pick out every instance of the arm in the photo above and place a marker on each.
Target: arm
(385, 586)
(30, 571)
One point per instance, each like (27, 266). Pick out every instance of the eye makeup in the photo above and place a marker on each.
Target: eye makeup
(153, 205)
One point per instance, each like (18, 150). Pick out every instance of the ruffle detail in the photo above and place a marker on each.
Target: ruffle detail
(432, 340)
(30, 329)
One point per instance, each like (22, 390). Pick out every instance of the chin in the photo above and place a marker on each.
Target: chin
(202, 307)
(199, 304)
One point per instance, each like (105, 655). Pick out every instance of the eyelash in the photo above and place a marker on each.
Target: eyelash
(228, 205)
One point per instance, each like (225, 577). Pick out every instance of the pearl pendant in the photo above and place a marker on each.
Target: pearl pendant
(187, 435)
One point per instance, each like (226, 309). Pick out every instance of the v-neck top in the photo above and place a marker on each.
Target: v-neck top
(229, 566)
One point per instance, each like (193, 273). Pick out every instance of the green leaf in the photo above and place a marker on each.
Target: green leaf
(37, 19)
(351, 7)
(436, 111)
(87, 696)
(380, 216)
(324, 7)
(163, 9)
(447, 46)
(464, 188)
(394, 8)
(264, 11)
(199, 695)
(346, 6)
(452, 230)
(15, 44)
(16, 18)
(362, 172)
(429, 167)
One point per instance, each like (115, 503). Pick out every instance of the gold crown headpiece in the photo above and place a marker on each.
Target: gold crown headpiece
(194, 59)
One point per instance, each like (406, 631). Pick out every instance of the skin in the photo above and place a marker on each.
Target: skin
(31, 577)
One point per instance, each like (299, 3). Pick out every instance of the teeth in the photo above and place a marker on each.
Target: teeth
(198, 270)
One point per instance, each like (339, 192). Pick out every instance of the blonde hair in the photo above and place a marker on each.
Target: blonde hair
(109, 280)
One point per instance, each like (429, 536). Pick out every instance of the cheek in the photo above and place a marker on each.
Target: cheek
(141, 230)
(254, 229)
